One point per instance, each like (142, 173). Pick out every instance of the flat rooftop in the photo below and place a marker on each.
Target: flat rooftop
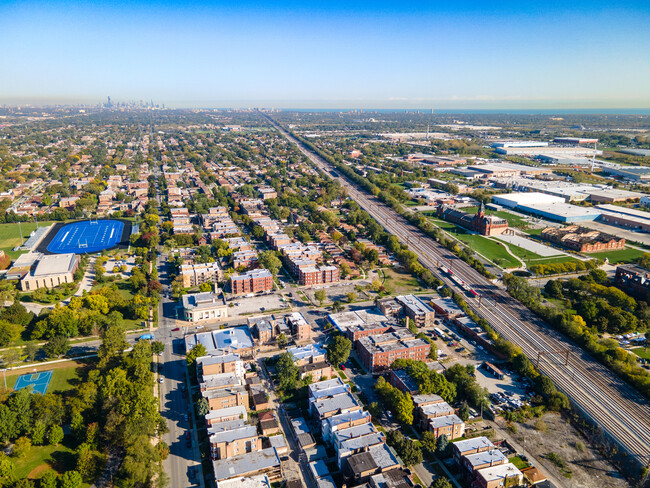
(54, 264)
(245, 464)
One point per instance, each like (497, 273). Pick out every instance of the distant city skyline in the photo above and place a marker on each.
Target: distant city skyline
(383, 55)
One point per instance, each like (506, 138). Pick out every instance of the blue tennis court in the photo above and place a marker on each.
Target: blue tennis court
(39, 381)
(87, 236)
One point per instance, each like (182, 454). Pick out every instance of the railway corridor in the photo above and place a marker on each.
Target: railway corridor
(620, 411)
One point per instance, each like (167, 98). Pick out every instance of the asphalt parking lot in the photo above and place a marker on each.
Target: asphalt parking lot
(258, 304)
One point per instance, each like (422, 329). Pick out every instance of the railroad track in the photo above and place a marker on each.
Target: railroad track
(620, 411)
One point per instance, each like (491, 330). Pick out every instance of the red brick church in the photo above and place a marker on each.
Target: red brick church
(486, 225)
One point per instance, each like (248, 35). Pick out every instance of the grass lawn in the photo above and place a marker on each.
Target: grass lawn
(492, 250)
(401, 283)
(534, 232)
(626, 255)
(43, 458)
(522, 253)
(642, 352)
(10, 233)
(552, 259)
(518, 462)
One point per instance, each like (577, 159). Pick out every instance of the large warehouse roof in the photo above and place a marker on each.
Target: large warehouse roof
(524, 198)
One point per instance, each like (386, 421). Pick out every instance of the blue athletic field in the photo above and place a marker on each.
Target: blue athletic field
(40, 381)
(86, 237)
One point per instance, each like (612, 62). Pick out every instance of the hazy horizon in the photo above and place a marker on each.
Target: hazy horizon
(420, 55)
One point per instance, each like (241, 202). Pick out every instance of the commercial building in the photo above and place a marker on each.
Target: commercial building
(378, 352)
(582, 239)
(447, 308)
(547, 206)
(231, 340)
(415, 309)
(204, 307)
(51, 271)
(344, 320)
(253, 281)
(500, 170)
(197, 274)
(628, 218)
(632, 173)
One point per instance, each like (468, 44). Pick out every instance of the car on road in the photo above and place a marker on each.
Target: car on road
(161, 379)
(176, 329)
(343, 366)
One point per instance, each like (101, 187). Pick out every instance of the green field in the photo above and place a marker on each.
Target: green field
(10, 233)
(518, 462)
(626, 255)
(642, 352)
(488, 248)
(40, 459)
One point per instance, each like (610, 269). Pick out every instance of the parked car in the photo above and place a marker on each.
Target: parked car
(343, 366)
(176, 329)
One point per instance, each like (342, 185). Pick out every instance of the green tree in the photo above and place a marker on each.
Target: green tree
(441, 483)
(202, 407)
(49, 480)
(351, 297)
(57, 346)
(463, 412)
(22, 446)
(282, 340)
(553, 289)
(55, 435)
(86, 464)
(157, 347)
(112, 346)
(30, 350)
(196, 352)
(337, 307)
(338, 350)
(38, 435)
(71, 479)
(320, 296)
(7, 475)
(270, 261)
(442, 445)
(8, 332)
(429, 441)
(287, 372)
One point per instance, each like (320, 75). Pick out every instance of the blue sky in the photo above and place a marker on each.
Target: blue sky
(408, 54)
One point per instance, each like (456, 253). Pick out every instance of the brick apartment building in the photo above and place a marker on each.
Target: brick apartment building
(416, 310)
(253, 281)
(225, 363)
(300, 328)
(197, 274)
(229, 443)
(227, 397)
(356, 332)
(378, 352)
(318, 275)
(244, 259)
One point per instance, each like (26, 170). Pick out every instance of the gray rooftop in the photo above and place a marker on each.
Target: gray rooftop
(201, 301)
(245, 464)
(232, 435)
(445, 421)
(337, 403)
(485, 457)
(471, 444)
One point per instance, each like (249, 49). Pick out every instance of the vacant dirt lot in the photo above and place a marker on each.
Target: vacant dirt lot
(586, 466)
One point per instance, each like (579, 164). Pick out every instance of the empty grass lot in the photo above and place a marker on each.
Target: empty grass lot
(626, 255)
(401, 283)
